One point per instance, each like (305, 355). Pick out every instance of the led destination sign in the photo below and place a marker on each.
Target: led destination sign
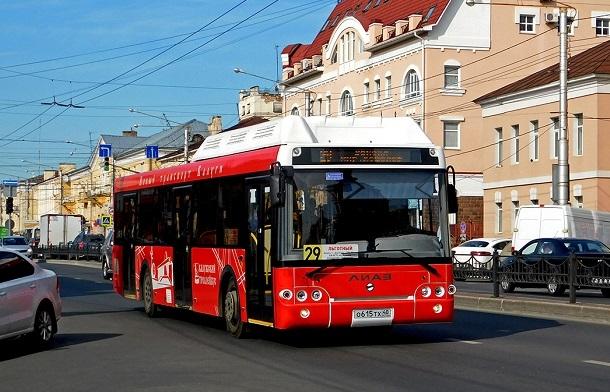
(364, 156)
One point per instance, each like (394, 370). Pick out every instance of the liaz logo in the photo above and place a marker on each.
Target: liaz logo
(369, 277)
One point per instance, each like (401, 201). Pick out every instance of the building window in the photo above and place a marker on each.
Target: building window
(579, 202)
(516, 146)
(579, 137)
(248, 109)
(451, 134)
(345, 49)
(535, 141)
(347, 104)
(499, 147)
(452, 76)
(526, 23)
(320, 106)
(411, 84)
(555, 136)
(515, 210)
(388, 86)
(602, 27)
(328, 103)
(499, 212)
(377, 89)
(367, 92)
(295, 111)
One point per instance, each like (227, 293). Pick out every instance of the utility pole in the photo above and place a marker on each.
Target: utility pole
(564, 168)
(186, 144)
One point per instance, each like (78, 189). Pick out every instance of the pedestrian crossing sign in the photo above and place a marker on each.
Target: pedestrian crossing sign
(106, 220)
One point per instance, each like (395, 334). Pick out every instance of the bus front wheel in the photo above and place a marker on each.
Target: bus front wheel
(231, 310)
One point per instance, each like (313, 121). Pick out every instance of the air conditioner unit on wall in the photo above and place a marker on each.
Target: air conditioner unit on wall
(551, 17)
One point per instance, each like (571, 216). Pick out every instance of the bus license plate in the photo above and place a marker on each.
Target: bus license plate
(372, 317)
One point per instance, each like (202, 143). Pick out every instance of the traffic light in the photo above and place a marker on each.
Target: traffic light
(106, 164)
(9, 205)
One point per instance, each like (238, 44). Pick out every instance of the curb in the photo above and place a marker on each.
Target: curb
(89, 264)
(589, 313)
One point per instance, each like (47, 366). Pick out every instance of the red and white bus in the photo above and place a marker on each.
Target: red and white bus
(312, 222)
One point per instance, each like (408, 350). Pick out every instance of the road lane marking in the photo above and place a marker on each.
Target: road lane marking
(593, 362)
(463, 341)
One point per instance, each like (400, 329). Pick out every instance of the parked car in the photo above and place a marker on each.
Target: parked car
(29, 299)
(550, 255)
(106, 256)
(83, 241)
(16, 243)
(478, 252)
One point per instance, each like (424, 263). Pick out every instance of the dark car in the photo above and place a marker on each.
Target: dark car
(544, 262)
(83, 240)
(106, 255)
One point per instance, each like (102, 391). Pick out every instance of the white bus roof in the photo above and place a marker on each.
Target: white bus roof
(318, 130)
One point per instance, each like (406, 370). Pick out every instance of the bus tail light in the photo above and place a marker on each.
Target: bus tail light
(286, 294)
(437, 308)
(304, 313)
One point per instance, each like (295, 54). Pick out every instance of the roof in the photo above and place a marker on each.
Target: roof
(592, 61)
(170, 138)
(317, 131)
(247, 122)
(386, 12)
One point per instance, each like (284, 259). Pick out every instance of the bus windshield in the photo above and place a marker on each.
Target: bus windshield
(377, 213)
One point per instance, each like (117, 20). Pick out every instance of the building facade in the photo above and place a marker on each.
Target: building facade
(523, 119)
(430, 60)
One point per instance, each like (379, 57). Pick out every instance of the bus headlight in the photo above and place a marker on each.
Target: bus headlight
(301, 295)
(286, 294)
(437, 308)
(439, 291)
(451, 289)
(316, 295)
(426, 291)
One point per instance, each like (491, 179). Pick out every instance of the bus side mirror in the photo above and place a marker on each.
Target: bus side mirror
(276, 183)
(452, 199)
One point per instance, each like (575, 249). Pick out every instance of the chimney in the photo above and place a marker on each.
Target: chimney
(67, 167)
(48, 174)
(130, 133)
(216, 125)
(414, 21)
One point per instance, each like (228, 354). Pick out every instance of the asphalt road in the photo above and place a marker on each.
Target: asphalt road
(106, 343)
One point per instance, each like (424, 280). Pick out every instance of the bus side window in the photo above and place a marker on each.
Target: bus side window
(205, 222)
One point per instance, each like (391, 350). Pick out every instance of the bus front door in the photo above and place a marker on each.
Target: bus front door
(258, 261)
(182, 200)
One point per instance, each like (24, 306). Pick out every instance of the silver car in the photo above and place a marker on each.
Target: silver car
(29, 299)
(16, 243)
(106, 255)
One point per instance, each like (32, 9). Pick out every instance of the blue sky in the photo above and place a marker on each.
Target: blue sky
(67, 49)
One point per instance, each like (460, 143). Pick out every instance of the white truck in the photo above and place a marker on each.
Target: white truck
(554, 221)
(57, 229)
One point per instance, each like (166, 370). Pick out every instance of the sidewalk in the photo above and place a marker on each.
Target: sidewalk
(597, 313)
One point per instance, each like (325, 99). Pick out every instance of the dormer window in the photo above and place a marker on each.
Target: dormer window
(377, 2)
(367, 6)
(429, 14)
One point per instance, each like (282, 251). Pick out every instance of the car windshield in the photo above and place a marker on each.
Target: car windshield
(14, 241)
(393, 213)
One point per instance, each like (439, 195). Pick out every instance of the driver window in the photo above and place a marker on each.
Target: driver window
(528, 250)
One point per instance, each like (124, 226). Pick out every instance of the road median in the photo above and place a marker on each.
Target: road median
(536, 308)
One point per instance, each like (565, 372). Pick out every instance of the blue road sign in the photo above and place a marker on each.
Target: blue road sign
(152, 152)
(105, 150)
(10, 182)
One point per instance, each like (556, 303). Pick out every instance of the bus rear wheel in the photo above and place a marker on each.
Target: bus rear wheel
(231, 311)
(147, 293)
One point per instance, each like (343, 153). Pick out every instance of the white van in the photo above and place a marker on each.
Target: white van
(560, 222)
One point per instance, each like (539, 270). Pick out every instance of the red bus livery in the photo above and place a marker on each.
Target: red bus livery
(309, 222)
